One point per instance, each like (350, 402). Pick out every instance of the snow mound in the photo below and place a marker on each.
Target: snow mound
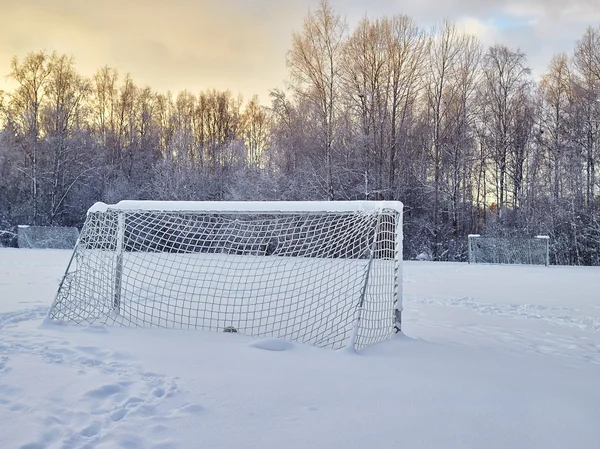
(272, 344)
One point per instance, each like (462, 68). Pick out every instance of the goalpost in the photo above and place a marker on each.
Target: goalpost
(509, 250)
(324, 273)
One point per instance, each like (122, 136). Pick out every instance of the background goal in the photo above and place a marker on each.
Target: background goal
(509, 250)
(324, 273)
(47, 237)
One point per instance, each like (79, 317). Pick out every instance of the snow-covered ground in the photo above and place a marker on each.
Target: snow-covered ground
(491, 357)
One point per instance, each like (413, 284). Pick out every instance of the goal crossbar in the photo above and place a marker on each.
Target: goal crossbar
(243, 207)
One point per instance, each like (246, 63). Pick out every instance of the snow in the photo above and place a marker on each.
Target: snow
(272, 344)
(491, 357)
(249, 206)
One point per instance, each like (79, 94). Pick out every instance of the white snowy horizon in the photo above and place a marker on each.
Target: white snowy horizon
(490, 357)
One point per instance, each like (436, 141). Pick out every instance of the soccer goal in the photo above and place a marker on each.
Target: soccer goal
(509, 250)
(324, 273)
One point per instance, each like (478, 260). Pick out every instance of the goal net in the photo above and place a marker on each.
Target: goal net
(323, 273)
(509, 250)
(46, 237)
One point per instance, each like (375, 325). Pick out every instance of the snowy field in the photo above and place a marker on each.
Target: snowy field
(491, 357)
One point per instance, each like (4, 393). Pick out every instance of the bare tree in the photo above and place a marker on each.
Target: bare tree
(453, 58)
(505, 84)
(66, 156)
(557, 97)
(587, 62)
(218, 118)
(366, 82)
(255, 132)
(185, 123)
(103, 104)
(459, 148)
(166, 128)
(406, 45)
(315, 68)
(384, 61)
(25, 104)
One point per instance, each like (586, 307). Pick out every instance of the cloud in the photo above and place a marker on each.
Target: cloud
(539, 28)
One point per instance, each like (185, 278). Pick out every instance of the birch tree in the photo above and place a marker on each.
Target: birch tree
(255, 132)
(406, 48)
(587, 62)
(314, 62)
(25, 105)
(453, 59)
(504, 85)
(67, 159)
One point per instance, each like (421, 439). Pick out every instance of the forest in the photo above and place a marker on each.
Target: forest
(465, 136)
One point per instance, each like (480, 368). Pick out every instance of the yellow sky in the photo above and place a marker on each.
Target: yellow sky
(241, 45)
(168, 45)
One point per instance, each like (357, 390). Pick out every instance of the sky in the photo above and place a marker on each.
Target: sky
(241, 45)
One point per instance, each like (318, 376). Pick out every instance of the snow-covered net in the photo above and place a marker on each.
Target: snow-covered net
(330, 279)
(513, 250)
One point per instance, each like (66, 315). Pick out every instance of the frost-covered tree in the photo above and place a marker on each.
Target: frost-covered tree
(315, 61)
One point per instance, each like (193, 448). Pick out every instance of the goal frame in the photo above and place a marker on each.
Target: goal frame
(539, 239)
(250, 208)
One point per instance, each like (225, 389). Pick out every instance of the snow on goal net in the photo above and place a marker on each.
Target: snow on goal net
(509, 250)
(323, 273)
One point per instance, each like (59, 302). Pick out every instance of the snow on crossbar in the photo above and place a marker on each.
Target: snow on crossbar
(323, 273)
(250, 206)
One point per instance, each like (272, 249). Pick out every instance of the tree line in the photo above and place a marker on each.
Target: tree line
(463, 135)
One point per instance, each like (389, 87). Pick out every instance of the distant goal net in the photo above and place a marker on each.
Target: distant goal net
(509, 250)
(324, 273)
(47, 237)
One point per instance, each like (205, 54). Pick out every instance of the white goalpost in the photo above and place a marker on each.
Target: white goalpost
(509, 250)
(324, 273)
